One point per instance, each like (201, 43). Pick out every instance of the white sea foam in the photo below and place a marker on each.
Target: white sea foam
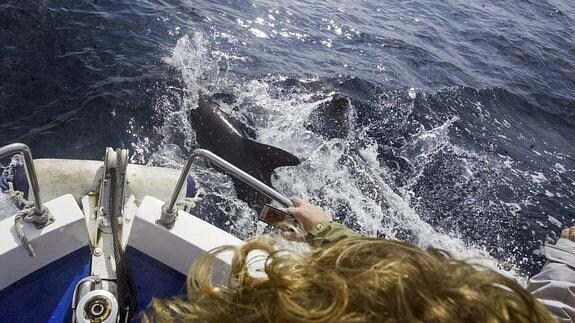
(554, 221)
(560, 168)
(336, 173)
(514, 208)
(7, 206)
(538, 178)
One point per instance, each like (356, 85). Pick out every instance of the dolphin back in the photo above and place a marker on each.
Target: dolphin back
(218, 132)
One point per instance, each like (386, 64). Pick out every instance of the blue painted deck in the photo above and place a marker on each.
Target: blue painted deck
(46, 294)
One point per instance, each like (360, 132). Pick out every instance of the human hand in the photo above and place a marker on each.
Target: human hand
(568, 233)
(307, 214)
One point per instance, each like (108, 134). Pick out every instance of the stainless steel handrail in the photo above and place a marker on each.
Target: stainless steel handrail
(24, 150)
(168, 212)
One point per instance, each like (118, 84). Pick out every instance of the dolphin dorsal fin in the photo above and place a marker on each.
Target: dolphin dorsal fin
(268, 158)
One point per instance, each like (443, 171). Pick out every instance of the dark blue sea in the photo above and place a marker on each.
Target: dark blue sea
(460, 132)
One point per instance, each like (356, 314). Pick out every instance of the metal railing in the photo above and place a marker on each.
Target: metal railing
(169, 213)
(24, 150)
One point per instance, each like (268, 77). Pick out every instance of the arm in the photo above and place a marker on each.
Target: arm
(554, 286)
(326, 233)
(320, 230)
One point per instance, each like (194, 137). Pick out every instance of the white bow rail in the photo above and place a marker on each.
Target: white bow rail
(169, 213)
(41, 215)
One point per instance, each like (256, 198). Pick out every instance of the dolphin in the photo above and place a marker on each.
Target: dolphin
(225, 136)
(331, 119)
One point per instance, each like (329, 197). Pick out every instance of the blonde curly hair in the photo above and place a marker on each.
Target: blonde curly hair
(354, 280)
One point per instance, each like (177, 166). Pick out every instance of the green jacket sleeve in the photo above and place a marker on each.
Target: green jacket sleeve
(326, 233)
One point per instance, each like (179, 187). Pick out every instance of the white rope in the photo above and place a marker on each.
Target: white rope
(26, 215)
(22, 216)
(17, 196)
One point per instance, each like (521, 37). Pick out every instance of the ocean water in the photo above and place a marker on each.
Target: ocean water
(460, 135)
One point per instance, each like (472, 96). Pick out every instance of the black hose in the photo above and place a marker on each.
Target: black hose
(125, 280)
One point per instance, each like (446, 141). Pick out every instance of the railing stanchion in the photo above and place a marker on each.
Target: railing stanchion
(169, 212)
(42, 216)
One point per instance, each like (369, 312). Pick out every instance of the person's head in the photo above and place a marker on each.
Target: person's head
(354, 280)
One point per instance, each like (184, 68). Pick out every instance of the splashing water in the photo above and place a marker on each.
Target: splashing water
(343, 175)
(7, 206)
